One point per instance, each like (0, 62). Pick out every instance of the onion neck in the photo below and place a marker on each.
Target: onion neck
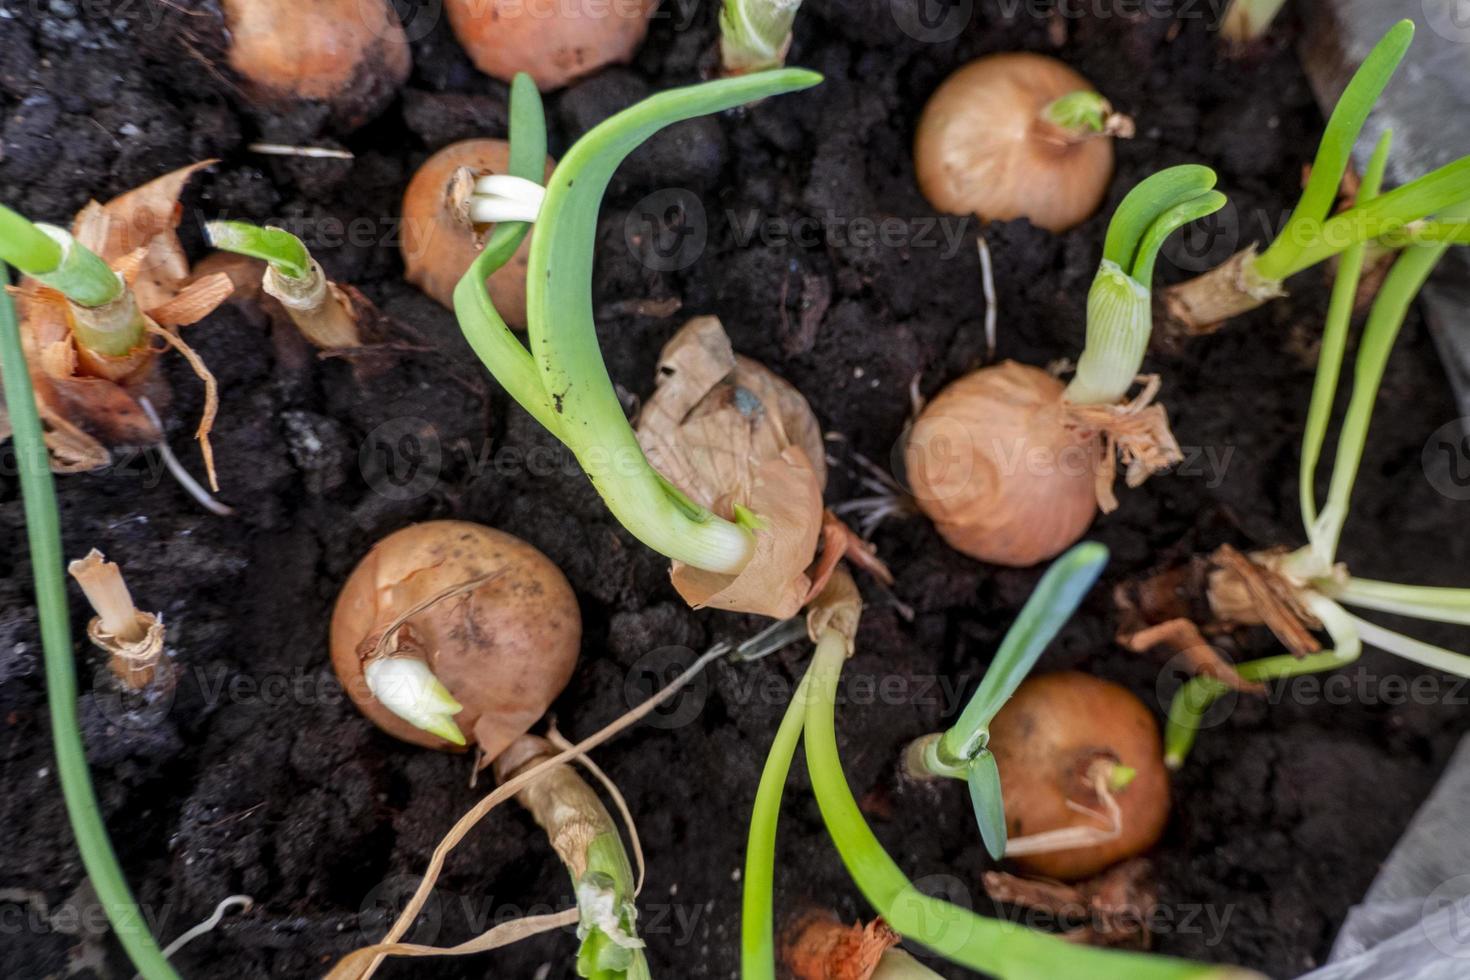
(1119, 322)
(1081, 116)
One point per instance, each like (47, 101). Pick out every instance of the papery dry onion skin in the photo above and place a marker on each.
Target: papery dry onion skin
(553, 41)
(438, 246)
(1045, 738)
(505, 649)
(818, 946)
(983, 148)
(736, 438)
(992, 462)
(351, 55)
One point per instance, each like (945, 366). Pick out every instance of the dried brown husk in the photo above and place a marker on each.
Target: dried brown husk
(438, 243)
(1119, 903)
(727, 432)
(89, 401)
(818, 946)
(1207, 302)
(1046, 740)
(499, 626)
(553, 41)
(1136, 432)
(983, 147)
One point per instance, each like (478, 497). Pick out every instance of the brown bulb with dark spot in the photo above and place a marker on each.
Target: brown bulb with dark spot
(504, 648)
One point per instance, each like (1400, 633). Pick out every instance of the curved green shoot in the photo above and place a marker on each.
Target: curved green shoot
(758, 916)
(282, 250)
(1389, 310)
(1053, 602)
(960, 753)
(487, 332)
(1334, 153)
(1198, 694)
(1334, 343)
(563, 381)
(1315, 563)
(755, 34)
(43, 532)
(1146, 203)
(52, 256)
(1120, 304)
(994, 947)
(1388, 216)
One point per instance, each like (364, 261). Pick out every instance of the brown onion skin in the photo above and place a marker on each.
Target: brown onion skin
(553, 41)
(991, 462)
(982, 148)
(437, 247)
(505, 655)
(1045, 737)
(349, 54)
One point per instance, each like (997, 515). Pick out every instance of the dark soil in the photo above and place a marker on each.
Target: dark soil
(259, 778)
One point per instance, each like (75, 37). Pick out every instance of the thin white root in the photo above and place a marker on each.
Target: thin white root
(283, 150)
(987, 284)
(242, 902)
(176, 469)
(1069, 838)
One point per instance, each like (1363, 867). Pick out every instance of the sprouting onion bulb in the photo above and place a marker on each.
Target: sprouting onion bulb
(350, 55)
(553, 41)
(320, 309)
(1012, 465)
(449, 632)
(1017, 136)
(994, 464)
(446, 223)
(1052, 741)
(755, 34)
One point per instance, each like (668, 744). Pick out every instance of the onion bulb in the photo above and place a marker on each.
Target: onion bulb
(439, 242)
(1051, 740)
(995, 140)
(995, 465)
(449, 627)
(351, 55)
(553, 41)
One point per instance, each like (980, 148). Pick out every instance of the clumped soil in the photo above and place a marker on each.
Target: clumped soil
(259, 778)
